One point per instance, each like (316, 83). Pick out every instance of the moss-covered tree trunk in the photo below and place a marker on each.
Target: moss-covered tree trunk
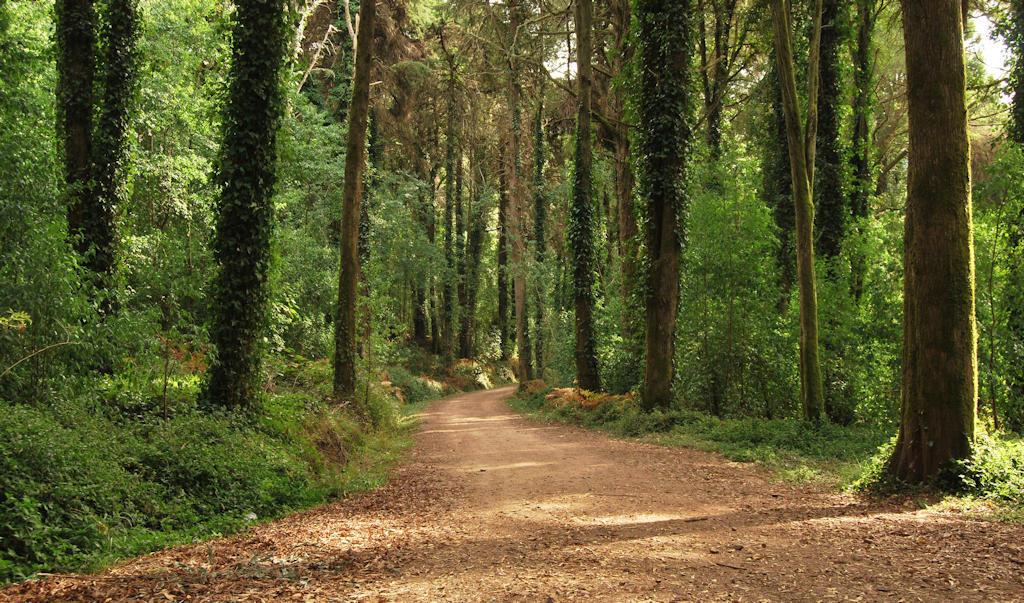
(937, 412)
(448, 303)
(801, 139)
(246, 175)
(621, 16)
(474, 248)
(518, 198)
(351, 196)
(581, 214)
(663, 106)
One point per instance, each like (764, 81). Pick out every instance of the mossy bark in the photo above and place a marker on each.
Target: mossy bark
(937, 411)
(801, 159)
(352, 192)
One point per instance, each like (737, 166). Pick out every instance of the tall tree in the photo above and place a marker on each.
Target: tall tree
(502, 260)
(1015, 285)
(95, 159)
(663, 139)
(940, 364)
(581, 228)
(830, 209)
(355, 148)
(801, 138)
(448, 307)
(863, 78)
(539, 219)
(246, 173)
(88, 226)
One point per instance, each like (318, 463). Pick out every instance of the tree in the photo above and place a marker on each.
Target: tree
(863, 77)
(581, 229)
(1015, 290)
(246, 174)
(663, 138)
(94, 160)
(937, 410)
(355, 150)
(539, 218)
(801, 160)
(830, 210)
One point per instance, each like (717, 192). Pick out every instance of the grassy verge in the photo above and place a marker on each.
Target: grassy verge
(989, 485)
(132, 466)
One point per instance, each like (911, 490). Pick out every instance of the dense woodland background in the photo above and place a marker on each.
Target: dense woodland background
(492, 219)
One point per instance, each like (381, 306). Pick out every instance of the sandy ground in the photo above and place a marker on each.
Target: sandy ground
(494, 507)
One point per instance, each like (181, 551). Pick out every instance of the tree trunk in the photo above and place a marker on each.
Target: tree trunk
(864, 81)
(503, 229)
(245, 213)
(663, 140)
(940, 362)
(539, 218)
(76, 44)
(582, 213)
(829, 199)
(518, 203)
(628, 229)
(447, 308)
(348, 278)
(474, 247)
(801, 159)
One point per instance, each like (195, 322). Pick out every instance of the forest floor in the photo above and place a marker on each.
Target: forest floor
(491, 506)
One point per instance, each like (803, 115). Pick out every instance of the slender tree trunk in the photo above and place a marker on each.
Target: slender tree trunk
(460, 256)
(474, 247)
(627, 229)
(663, 139)
(348, 278)
(518, 203)
(245, 212)
(864, 81)
(1014, 291)
(801, 159)
(539, 218)
(940, 357)
(778, 192)
(582, 212)
(503, 229)
(447, 322)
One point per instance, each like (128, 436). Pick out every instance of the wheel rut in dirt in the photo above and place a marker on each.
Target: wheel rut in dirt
(491, 506)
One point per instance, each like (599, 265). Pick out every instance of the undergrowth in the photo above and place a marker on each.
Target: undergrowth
(132, 467)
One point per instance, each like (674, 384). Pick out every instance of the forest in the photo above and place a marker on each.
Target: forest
(242, 243)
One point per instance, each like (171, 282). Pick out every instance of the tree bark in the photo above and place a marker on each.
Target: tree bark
(663, 140)
(860, 191)
(539, 219)
(348, 278)
(940, 364)
(503, 230)
(801, 159)
(582, 213)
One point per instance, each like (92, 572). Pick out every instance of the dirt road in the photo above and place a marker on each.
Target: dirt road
(495, 507)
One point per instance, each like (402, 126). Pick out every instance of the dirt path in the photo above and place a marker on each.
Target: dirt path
(494, 507)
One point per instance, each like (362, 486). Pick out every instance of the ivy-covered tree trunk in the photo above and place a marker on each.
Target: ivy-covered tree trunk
(581, 214)
(539, 219)
(940, 363)
(663, 138)
(863, 77)
(801, 140)
(462, 294)
(76, 45)
(246, 175)
(352, 192)
(830, 211)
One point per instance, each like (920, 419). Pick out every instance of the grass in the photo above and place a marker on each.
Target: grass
(123, 469)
